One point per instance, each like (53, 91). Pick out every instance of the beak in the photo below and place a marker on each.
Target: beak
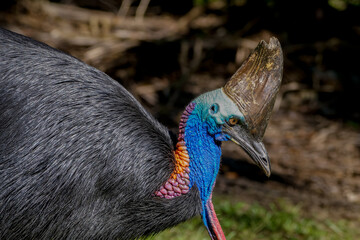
(211, 222)
(254, 148)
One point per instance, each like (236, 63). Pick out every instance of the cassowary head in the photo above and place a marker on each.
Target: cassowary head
(239, 112)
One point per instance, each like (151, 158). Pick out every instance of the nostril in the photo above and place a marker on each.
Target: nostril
(266, 161)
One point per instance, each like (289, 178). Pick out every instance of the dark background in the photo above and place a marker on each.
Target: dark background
(179, 49)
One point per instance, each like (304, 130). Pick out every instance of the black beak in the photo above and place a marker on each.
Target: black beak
(254, 148)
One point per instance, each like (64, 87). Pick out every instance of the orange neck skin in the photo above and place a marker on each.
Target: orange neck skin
(182, 159)
(179, 180)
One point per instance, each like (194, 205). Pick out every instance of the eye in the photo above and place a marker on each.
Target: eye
(214, 108)
(233, 121)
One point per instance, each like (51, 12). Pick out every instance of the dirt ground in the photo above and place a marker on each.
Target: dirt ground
(315, 161)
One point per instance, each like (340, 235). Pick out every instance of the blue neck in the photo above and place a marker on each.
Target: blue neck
(204, 152)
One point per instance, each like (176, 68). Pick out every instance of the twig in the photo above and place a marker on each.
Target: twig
(140, 11)
(124, 8)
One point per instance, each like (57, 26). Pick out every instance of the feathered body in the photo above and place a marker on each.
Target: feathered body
(79, 156)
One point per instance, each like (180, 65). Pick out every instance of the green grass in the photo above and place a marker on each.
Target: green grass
(278, 221)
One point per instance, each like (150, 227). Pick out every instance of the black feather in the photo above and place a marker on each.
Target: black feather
(79, 157)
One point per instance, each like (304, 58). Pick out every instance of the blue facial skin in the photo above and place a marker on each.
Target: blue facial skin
(203, 137)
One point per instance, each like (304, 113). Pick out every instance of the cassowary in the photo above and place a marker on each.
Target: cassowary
(80, 158)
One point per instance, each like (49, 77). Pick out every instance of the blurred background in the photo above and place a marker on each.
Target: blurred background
(168, 52)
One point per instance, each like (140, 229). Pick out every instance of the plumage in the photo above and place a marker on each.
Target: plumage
(64, 142)
(80, 158)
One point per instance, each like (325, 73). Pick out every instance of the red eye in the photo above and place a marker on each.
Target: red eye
(233, 121)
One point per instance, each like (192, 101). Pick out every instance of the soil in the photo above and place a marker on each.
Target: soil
(315, 163)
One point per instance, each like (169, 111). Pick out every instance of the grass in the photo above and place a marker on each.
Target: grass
(252, 221)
